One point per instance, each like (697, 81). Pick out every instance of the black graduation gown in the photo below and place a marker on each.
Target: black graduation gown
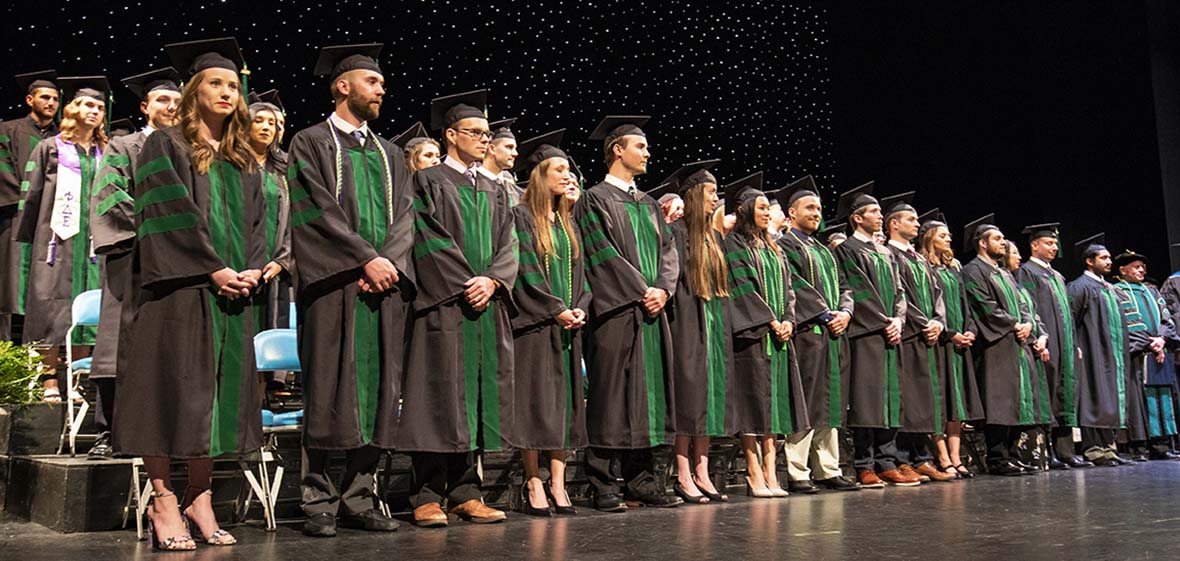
(276, 311)
(921, 375)
(18, 138)
(1042, 402)
(701, 351)
(1001, 361)
(458, 388)
(548, 381)
(1102, 335)
(1147, 316)
(820, 289)
(112, 228)
(59, 269)
(629, 355)
(351, 344)
(963, 402)
(877, 295)
(186, 355)
(1047, 288)
(767, 393)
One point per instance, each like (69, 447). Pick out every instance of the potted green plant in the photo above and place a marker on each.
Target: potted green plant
(28, 425)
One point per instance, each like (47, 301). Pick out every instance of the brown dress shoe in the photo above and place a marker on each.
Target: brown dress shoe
(929, 471)
(896, 477)
(908, 471)
(430, 515)
(479, 513)
(868, 480)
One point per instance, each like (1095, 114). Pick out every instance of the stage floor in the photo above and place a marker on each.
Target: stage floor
(1120, 514)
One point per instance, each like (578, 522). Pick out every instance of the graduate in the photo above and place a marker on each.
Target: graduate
(18, 138)
(186, 352)
(633, 266)
(272, 163)
(500, 159)
(961, 391)
(701, 348)
(112, 230)
(1029, 443)
(767, 398)
(552, 302)
(458, 390)
(1047, 288)
(271, 97)
(350, 233)
(420, 150)
(878, 315)
(921, 373)
(55, 219)
(823, 308)
(1001, 348)
(1101, 331)
(1152, 338)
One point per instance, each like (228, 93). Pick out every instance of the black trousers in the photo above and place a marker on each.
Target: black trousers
(606, 467)
(1098, 443)
(452, 478)
(104, 405)
(1061, 442)
(874, 449)
(913, 448)
(1000, 441)
(320, 493)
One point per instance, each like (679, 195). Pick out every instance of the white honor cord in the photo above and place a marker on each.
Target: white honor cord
(384, 164)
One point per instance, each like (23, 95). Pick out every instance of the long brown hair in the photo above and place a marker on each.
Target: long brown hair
(945, 258)
(69, 124)
(540, 202)
(745, 225)
(707, 274)
(235, 143)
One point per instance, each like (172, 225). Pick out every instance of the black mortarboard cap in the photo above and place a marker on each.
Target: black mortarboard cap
(797, 189)
(741, 191)
(73, 87)
(122, 127)
(160, 79)
(614, 127)
(666, 189)
(1090, 246)
(690, 175)
(975, 230)
(270, 96)
(537, 149)
(1128, 256)
(930, 219)
(415, 131)
(192, 57)
(338, 59)
(448, 110)
(1038, 231)
(855, 199)
(837, 227)
(898, 203)
(30, 81)
(502, 129)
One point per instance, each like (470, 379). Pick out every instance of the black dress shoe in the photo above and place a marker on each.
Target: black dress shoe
(1008, 469)
(839, 483)
(1157, 455)
(1028, 469)
(1124, 461)
(806, 487)
(371, 520)
(1139, 457)
(1107, 462)
(610, 502)
(322, 525)
(1056, 465)
(101, 450)
(659, 500)
(1078, 462)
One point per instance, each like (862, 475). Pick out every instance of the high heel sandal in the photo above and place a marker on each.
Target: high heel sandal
(218, 537)
(949, 470)
(526, 506)
(718, 497)
(561, 510)
(694, 499)
(182, 542)
(758, 493)
(964, 472)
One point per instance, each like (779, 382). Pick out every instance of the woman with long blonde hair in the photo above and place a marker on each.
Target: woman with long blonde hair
(55, 220)
(199, 249)
(552, 301)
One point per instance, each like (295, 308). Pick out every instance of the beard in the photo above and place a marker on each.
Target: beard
(363, 108)
(1000, 256)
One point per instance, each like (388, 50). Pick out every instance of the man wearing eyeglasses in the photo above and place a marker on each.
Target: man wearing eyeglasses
(458, 385)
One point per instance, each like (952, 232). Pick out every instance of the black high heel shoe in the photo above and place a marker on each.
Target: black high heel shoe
(527, 507)
(964, 472)
(560, 510)
(693, 499)
(716, 497)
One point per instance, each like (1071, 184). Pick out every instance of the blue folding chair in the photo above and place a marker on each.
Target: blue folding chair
(83, 313)
(274, 349)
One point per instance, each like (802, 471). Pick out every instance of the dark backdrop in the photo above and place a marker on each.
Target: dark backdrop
(1038, 111)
